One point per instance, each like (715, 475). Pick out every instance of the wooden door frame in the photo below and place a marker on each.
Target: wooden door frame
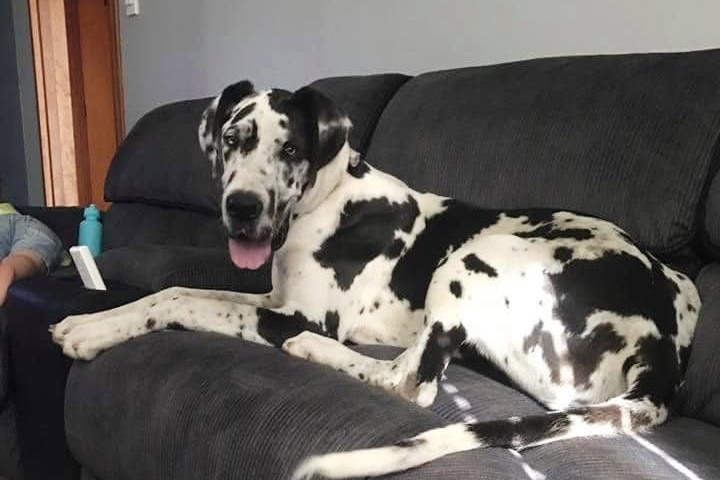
(61, 104)
(118, 91)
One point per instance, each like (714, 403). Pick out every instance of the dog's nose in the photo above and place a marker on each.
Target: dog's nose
(243, 206)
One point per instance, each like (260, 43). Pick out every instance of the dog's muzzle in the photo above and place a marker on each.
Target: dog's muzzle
(249, 245)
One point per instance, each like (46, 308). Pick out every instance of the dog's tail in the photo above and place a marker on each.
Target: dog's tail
(620, 415)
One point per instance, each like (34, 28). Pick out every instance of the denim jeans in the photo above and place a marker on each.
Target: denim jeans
(23, 233)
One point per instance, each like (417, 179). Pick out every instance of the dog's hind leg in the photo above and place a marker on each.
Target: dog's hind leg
(644, 405)
(414, 374)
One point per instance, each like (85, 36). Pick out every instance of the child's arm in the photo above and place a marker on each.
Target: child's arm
(17, 265)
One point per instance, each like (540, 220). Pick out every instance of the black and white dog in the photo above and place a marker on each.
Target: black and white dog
(566, 305)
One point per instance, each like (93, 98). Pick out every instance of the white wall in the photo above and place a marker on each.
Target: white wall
(178, 49)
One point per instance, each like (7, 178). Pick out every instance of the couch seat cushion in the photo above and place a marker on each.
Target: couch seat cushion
(187, 405)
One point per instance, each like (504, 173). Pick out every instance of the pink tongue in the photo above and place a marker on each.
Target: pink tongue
(248, 253)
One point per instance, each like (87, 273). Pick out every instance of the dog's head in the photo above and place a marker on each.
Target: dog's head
(276, 154)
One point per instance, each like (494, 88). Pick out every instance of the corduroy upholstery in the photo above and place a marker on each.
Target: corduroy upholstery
(632, 138)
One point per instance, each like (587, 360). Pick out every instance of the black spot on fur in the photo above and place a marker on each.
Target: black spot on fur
(243, 112)
(276, 327)
(332, 321)
(395, 249)
(456, 288)
(525, 431)
(474, 264)
(271, 202)
(306, 109)
(444, 231)
(615, 282)
(150, 323)
(250, 142)
(552, 231)
(231, 96)
(367, 230)
(543, 340)
(684, 354)
(439, 348)
(283, 123)
(507, 302)
(361, 376)
(587, 352)
(410, 442)
(175, 326)
(533, 217)
(563, 254)
(359, 170)
(657, 383)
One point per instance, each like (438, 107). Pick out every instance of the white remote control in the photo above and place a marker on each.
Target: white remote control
(87, 267)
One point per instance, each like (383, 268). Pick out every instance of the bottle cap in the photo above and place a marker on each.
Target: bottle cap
(92, 212)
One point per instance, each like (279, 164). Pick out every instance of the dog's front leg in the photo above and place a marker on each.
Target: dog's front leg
(172, 294)
(267, 326)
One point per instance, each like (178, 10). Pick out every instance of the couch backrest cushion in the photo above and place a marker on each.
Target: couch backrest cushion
(160, 161)
(363, 98)
(625, 137)
(711, 216)
(127, 224)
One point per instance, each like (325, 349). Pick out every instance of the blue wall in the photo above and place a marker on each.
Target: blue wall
(13, 172)
(20, 164)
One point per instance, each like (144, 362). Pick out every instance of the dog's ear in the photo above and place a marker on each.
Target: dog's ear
(216, 114)
(326, 124)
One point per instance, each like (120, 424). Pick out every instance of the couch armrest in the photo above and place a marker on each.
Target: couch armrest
(701, 395)
(56, 299)
(64, 221)
(156, 267)
(4, 359)
(38, 369)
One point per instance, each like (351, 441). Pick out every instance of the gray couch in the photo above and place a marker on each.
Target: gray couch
(631, 138)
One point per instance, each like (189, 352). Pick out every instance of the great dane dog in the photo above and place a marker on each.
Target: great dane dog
(566, 305)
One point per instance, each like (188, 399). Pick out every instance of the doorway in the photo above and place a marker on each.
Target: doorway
(78, 79)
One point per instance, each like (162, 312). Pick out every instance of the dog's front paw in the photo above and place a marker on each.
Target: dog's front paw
(83, 339)
(311, 346)
(59, 330)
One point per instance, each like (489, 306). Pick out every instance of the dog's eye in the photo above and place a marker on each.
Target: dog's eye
(289, 150)
(231, 138)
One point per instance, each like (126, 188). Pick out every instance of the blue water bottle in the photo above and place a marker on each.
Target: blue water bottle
(90, 233)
